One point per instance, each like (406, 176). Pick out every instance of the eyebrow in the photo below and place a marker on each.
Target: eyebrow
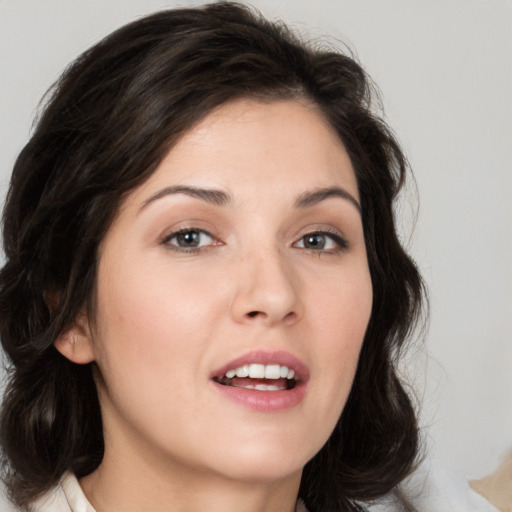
(314, 197)
(216, 197)
(221, 198)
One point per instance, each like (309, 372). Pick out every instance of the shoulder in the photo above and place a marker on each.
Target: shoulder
(497, 487)
(66, 496)
(5, 504)
(432, 488)
(53, 500)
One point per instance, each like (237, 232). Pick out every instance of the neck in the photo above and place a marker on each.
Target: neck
(133, 484)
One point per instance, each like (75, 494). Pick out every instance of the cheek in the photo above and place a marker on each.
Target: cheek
(149, 324)
(342, 315)
(150, 337)
(161, 300)
(342, 308)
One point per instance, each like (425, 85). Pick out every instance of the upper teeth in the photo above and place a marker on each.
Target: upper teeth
(261, 371)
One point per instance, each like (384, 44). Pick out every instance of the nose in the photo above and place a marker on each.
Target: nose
(266, 291)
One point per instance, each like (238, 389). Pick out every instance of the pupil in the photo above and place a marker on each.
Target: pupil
(188, 239)
(316, 241)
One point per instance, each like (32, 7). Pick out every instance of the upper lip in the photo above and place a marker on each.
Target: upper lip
(280, 357)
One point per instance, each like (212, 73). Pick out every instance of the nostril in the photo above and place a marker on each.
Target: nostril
(252, 314)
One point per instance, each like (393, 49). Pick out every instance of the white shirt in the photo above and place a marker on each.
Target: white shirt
(429, 488)
(67, 496)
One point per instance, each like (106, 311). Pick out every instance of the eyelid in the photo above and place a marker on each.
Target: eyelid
(335, 235)
(342, 244)
(165, 240)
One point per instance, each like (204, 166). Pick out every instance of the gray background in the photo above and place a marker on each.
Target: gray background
(445, 72)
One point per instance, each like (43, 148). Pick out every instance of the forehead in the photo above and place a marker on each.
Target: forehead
(283, 147)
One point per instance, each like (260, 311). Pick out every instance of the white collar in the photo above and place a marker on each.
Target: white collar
(68, 496)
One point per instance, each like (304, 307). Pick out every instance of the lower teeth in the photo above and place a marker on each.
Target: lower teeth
(262, 387)
(290, 384)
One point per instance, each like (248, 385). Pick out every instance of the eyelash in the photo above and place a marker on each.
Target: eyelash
(341, 244)
(167, 240)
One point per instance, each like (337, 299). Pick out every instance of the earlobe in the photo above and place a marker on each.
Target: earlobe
(75, 343)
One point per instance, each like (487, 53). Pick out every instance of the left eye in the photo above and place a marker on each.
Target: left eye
(189, 239)
(321, 241)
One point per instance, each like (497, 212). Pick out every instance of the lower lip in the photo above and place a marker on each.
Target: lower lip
(264, 401)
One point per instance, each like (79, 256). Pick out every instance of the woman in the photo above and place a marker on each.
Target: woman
(204, 295)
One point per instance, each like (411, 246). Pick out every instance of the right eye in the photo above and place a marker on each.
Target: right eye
(189, 240)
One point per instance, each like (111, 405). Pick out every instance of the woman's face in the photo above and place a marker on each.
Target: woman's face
(242, 253)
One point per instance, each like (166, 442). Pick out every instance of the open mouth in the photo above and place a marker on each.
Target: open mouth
(260, 377)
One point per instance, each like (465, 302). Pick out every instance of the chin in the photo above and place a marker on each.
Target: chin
(266, 462)
(264, 471)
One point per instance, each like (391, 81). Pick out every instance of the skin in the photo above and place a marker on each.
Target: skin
(167, 318)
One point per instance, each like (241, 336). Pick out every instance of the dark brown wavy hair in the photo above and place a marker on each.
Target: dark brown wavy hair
(108, 122)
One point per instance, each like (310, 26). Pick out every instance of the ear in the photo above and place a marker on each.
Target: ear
(75, 343)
